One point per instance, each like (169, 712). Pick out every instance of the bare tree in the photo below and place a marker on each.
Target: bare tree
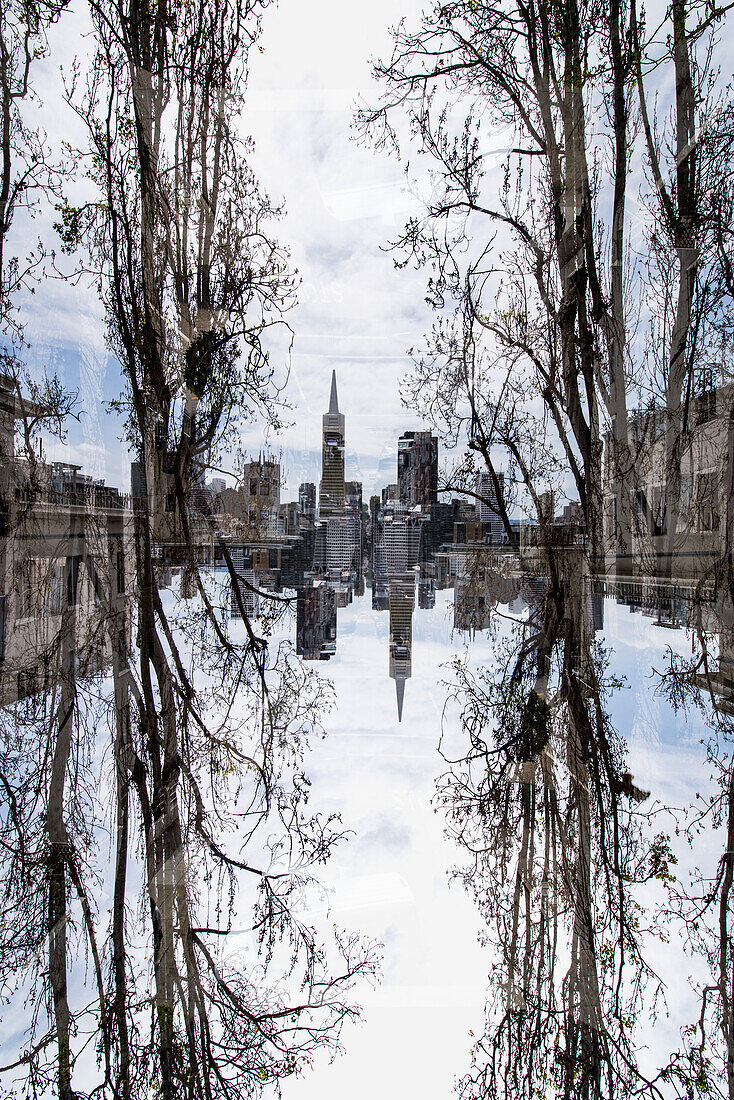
(27, 171)
(210, 729)
(536, 363)
(538, 267)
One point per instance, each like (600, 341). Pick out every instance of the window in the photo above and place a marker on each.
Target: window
(659, 517)
(95, 579)
(119, 560)
(707, 406)
(706, 399)
(686, 498)
(638, 504)
(72, 579)
(707, 500)
(55, 588)
(27, 683)
(25, 591)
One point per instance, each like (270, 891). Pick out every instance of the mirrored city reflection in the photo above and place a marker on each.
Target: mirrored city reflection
(554, 783)
(548, 791)
(265, 705)
(330, 545)
(405, 544)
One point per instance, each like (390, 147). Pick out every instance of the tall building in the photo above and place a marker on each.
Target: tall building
(289, 518)
(332, 495)
(357, 514)
(486, 508)
(307, 499)
(261, 480)
(315, 621)
(418, 469)
(427, 585)
(547, 503)
(257, 500)
(397, 540)
(401, 600)
(343, 543)
(247, 586)
(353, 497)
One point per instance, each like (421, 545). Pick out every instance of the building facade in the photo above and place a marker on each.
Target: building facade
(401, 601)
(65, 569)
(316, 621)
(687, 540)
(332, 492)
(418, 470)
(487, 510)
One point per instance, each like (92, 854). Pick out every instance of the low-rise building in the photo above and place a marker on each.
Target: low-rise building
(65, 568)
(689, 539)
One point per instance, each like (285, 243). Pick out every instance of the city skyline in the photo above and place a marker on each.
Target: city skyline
(303, 465)
(366, 550)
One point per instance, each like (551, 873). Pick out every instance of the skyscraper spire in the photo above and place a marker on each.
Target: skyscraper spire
(331, 495)
(333, 401)
(401, 600)
(400, 689)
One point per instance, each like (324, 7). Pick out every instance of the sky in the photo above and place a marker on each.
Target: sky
(344, 203)
(392, 879)
(356, 313)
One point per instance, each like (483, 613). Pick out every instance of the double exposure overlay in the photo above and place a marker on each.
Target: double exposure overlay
(366, 550)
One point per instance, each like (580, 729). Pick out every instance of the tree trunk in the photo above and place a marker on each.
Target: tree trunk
(120, 675)
(58, 853)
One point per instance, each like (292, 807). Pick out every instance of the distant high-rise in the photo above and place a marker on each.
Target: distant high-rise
(260, 493)
(316, 621)
(353, 497)
(418, 469)
(344, 543)
(401, 600)
(307, 499)
(399, 540)
(332, 496)
(247, 594)
(487, 509)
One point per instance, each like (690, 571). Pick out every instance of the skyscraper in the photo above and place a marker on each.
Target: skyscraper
(401, 600)
(343, 543)
(353, 497)
(307, 499)
(418, 470)
(332, 497)
(316, 621)
(261, 489)
(486, 507)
